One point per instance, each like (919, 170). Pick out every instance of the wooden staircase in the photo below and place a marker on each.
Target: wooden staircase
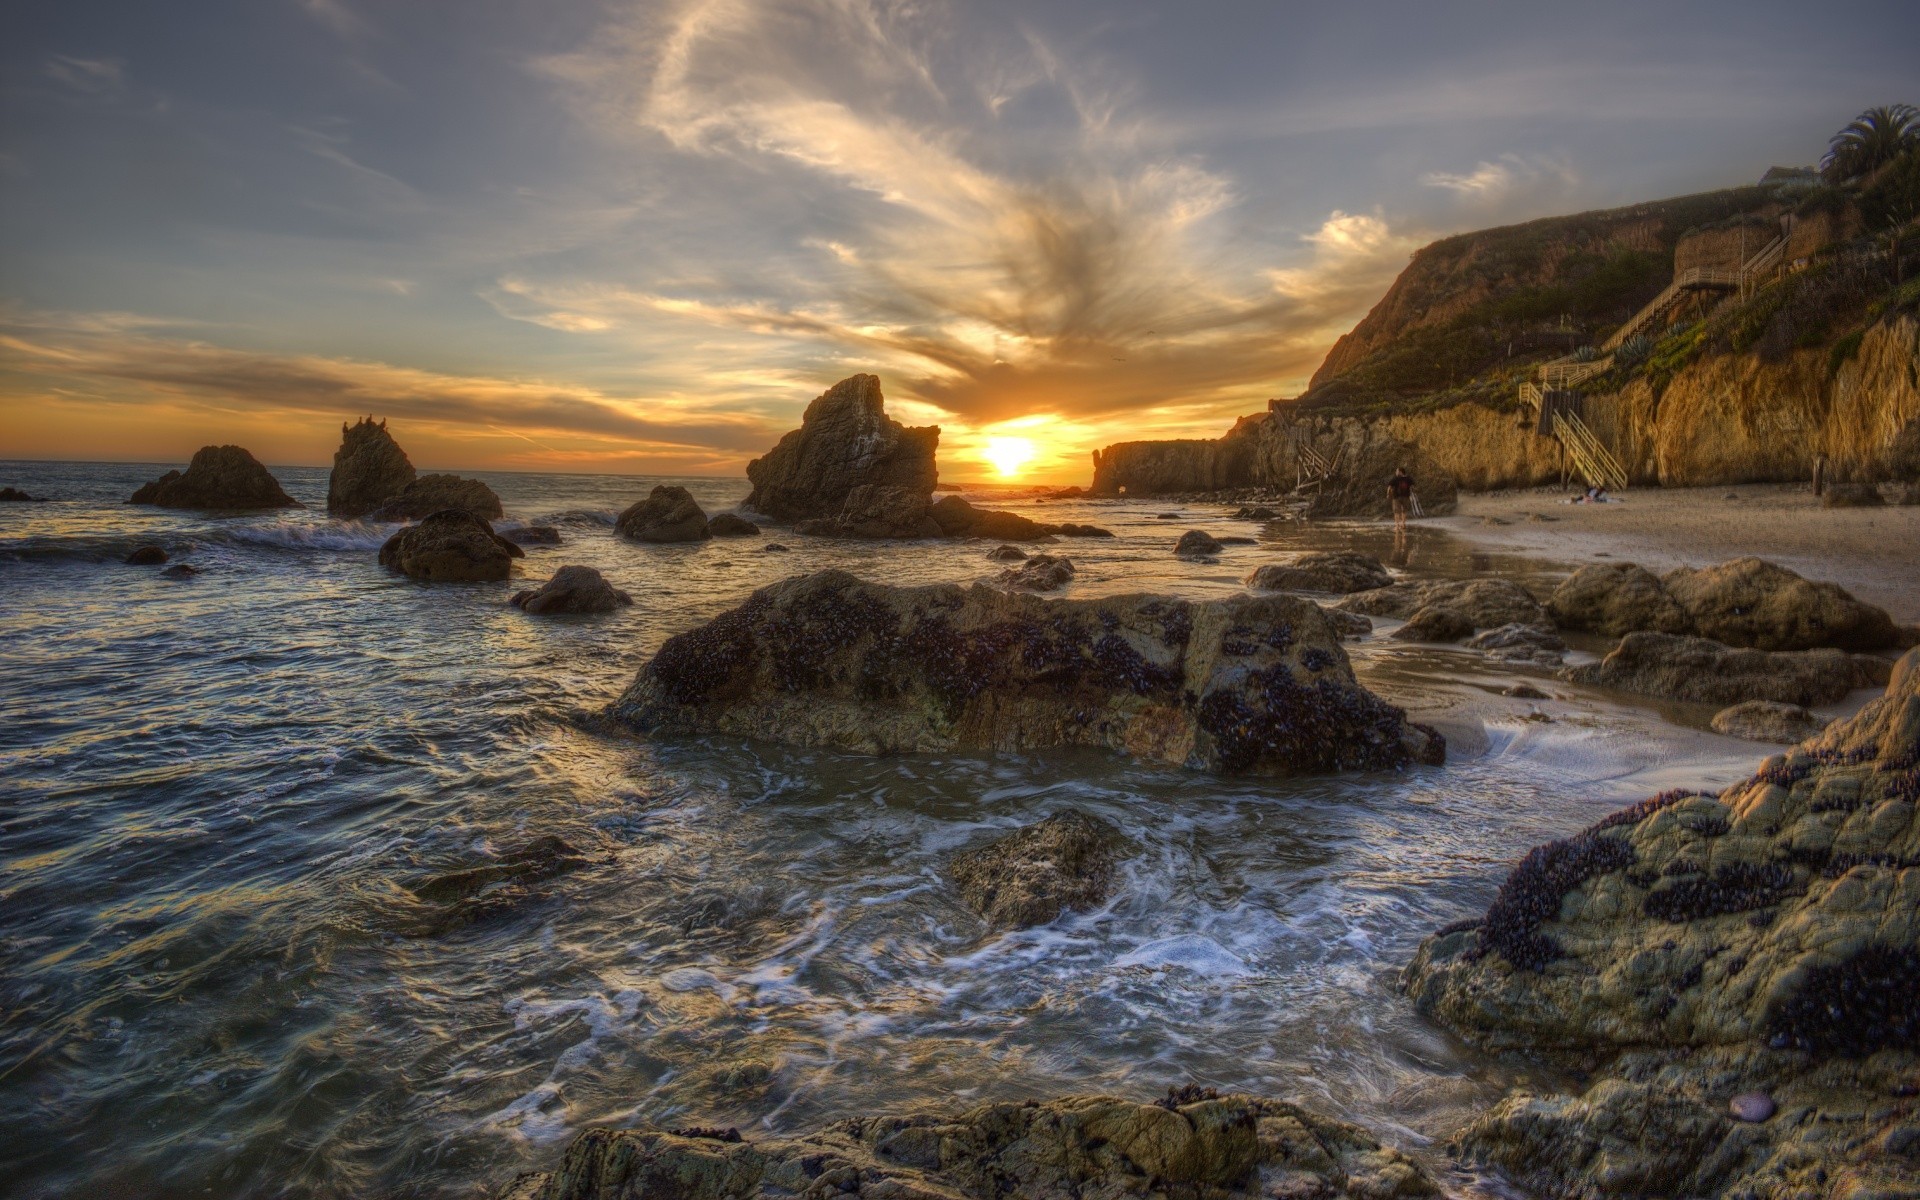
(1694, 279)
(1589, 454)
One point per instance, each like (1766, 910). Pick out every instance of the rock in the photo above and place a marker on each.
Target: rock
(430, 494)
(147, 556)
(181, 571)
(1767, 721)
(845, 440)
(668, 514)
(450, 546)
(572, 590)
(1032, 875)
(877, 511)
(1752, 602)
(1751, 1106)
(1694, 948)
(1041, 573)
(475, 893)
(1348, 625)
(1241, 685)
(1069, 529)
(1706, 672)
(1909, 494)
(1197, 543)
(1523, 691)
(731, 525)
(1358, 489)
(773, 548)
(533, 535)
(1258, 512)
(1521, 643)
(1337, 571)
(10, 495)
(1169, 517)
(369, 469)
(957, 518)
(1231, 539)
(1487, 603)
(1851, 495)
(1616, 599)
(219, 477)
(1006, 553)
(1435, 623)
(1194, 1143)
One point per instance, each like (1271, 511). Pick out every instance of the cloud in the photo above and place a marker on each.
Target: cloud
(92, 76)
(337, 17)
(1500, 180)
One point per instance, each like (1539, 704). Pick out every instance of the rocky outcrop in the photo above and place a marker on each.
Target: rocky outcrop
(218, 477)
(1767, 721)
(845, 440)
(1335, 571)
(1752, 602)
(731, 525)
(1435, 623)
(1243, 685)
(1358, 488)
(572, 590)
(875, 510)
(1160, 468)
(1041, 573)
(1483, 603)
(369, 469)
(1062, 864)
(1616, 599)
(1197, 543)
(450, 546)
(668, 514)
(1761, 945)
(1004, 553)
(1194, 1143)
(957, 518)
(1707, 672)
(429, 494)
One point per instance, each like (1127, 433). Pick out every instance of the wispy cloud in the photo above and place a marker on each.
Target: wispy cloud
(1497, 181)
(92, 76)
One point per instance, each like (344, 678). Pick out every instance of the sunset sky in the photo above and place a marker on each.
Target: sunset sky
(639, 237)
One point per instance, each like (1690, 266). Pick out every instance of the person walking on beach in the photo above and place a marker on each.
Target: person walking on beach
(1400, 495)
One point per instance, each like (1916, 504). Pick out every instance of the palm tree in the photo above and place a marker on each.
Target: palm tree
(1870, 141)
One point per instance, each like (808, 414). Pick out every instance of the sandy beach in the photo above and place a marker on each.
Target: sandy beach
(1872, 552)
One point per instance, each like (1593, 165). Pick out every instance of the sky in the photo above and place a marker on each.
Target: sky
(637, 237)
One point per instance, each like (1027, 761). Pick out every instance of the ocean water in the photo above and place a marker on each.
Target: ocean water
(220, 796)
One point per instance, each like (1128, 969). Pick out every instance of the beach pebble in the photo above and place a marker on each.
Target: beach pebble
(1751, 1106)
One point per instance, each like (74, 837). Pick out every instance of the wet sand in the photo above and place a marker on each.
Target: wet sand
(1872, 552)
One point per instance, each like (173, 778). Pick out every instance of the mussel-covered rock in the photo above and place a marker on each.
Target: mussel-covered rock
(1334, 571)
(1706, 672)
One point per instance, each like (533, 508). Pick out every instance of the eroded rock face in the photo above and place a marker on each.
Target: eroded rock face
(572, 590)
(1194, 1143)
(1752, 602)
(1041, 573)
(877, 510)
(1250, 684)
(668, 514)
(1766, 721)
(1706, 672)
(430, 494)
(450, 546)
(219, 477)
(1616, 599)
(369, 469)
(845, 440)
(1693, 948)
(731, 525)
(1032, 875)
(1485, 603)
(1338, 571)
(1359, 487)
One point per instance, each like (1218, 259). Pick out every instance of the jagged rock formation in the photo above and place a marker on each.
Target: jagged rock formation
(1193, 1144)
(1032, 875)
(668, 514)
(572, 590)
(450, 546)
(1707, 672)
(1251, 684)
(877, 510)
(369, 468)
(218, 477)
(1746, 602)
(1694, 948)
(845, 440)
(1339, 571)
(429, 494)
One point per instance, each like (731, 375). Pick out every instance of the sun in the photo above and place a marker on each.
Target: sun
(1008, 454)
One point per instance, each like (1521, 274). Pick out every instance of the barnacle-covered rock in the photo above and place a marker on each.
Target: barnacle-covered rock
(1041, 573)
(1766, 721)
(1692, 948)
(1247, 684)
(1331, 571)
(1705, 672)
(1032, 875)
(1192, 1144)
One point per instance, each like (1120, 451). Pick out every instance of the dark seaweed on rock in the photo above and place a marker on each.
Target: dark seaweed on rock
(1863, 1005)
(1531, 895)
(1739, 887)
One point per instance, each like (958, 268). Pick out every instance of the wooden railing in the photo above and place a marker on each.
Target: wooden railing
(1565, 372)
(1697, 279)
(1530, 394)
(1590, 456)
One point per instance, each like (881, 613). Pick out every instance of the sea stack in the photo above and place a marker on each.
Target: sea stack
(845, 441)
(374, 479)
(218, 478)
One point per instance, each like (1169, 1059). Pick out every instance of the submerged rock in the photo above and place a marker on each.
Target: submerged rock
(845, 440)
(1752, 602)
(874, 510)
(1032, 875)
(450, 546)
(1069, 529)
(430, 494)
(474, 893)
(1336, 571)
(533, 535)
(147, 556)
(1767, 721)
(773, 548)
(1706, 672)
(369, 469)
(1617, 599)
(1693, 948)
(1005, 553)
(668, 514)
(219, 477)
(731, 525)
(572, 590)
(181, 571)
(1041, 573)
(1197, 543)
(1487, 603)
(11, 495)
(1249, 684)
(1195, 1143)
(1521, 643)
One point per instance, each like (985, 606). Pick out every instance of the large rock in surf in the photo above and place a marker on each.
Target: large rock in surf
(369, 468)
(1041, 573)
(1197, 543)
(876, 510)
(728, 524)
(668, 514)
(1616, 599)
(1706, 672)
(430, 494)
(1331, 571)
(957, 518)
(845, 440)
(1482, 603)
(572, 590)
(1752, 602)
(450, 546)
(1032, 875)
(1248, 684)
(1194, 1143)
(219, 477)
(1693, 949)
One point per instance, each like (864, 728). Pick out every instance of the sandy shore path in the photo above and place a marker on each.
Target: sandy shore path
(1872, 552)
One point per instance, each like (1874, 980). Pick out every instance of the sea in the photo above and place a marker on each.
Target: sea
(221, 797)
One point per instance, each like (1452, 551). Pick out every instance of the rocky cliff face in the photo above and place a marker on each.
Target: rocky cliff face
(845, 440)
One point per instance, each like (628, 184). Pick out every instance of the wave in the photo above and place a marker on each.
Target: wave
(306, 535)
